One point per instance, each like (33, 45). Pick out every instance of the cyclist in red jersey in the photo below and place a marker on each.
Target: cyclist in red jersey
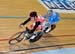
(37, 24)
(42, 21)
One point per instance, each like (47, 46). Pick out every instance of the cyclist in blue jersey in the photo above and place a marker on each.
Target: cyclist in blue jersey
(52, 18)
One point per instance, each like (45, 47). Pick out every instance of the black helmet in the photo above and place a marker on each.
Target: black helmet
(33, 14)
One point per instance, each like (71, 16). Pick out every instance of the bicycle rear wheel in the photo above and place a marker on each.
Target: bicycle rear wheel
(16, 38)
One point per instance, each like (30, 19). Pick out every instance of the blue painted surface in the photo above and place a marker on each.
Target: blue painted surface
(57, 51)
(60, 4)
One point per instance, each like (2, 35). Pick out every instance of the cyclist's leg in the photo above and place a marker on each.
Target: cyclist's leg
(34, 34)
(46, 27)
(50, 28)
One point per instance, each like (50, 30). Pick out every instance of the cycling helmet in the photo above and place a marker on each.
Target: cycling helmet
(33, 14)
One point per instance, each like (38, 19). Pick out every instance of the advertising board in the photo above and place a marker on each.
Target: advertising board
(62, 6)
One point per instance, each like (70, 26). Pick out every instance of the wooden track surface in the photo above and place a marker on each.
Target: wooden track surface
(64, 32)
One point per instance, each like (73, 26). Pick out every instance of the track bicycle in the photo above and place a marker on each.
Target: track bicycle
(19, 36)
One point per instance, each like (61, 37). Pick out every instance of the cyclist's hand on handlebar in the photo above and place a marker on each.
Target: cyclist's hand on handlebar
(21, 26)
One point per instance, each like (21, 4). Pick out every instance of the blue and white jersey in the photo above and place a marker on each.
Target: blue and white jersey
(54, 18)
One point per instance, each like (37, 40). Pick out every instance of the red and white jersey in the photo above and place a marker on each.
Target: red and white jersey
(39, 19)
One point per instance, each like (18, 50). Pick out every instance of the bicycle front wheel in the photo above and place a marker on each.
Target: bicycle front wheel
(16, 38)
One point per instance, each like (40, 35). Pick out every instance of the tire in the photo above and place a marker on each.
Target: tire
(39, 35)
(16, 38)
(53, 27)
